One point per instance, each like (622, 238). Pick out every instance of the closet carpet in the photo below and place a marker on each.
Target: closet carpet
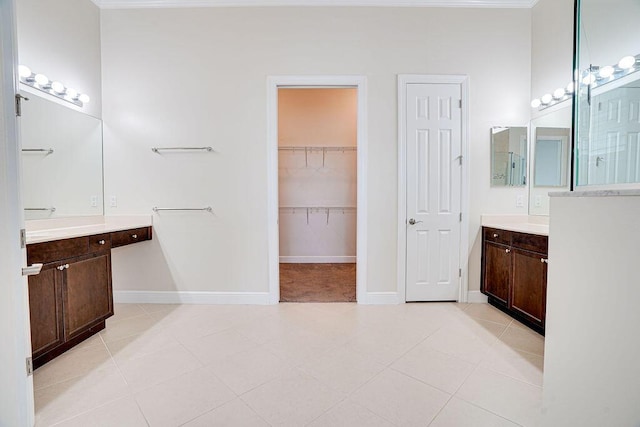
(317, 282)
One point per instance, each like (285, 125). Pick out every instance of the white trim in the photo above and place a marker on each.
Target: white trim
(463, 81)
(381, 298)
(477, 297)
(273, 82)
(317, 259)
(188, 297)
(162, 4)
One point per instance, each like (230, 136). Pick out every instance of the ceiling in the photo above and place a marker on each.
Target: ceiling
(140, 4)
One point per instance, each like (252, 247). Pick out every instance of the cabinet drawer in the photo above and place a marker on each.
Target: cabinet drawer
(497, 236)
(99, 243)
(530, 242)
(127, 237)
(57, 250)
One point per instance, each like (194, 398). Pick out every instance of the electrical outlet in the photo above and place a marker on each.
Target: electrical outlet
(94, 201)
(538, 201)
(114, 202)
(519, 201)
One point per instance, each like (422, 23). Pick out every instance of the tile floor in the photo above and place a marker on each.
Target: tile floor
(335, 364)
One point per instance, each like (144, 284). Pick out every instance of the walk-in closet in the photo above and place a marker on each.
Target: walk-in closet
(317, 181)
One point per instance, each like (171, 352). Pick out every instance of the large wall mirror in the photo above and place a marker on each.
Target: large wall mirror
(608, 98)
(61, 160)
(550, 157)
(508, 156)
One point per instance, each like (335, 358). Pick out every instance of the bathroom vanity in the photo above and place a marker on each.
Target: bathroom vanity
(72, 296)
(514, 271)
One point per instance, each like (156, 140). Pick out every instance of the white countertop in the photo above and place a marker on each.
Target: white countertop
(597, 193)
(66, 228)
(521, 223)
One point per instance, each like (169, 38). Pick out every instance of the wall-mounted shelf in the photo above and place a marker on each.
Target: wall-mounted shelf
(317, 209)
(311, 149)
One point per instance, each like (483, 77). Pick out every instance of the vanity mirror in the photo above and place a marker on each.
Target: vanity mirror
(607, 148)
(550, 160)
(508, 156)
(61, 160)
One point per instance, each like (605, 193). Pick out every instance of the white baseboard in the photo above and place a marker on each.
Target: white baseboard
(380, 298)
(317, 259)
(187, 297)
(476, 297)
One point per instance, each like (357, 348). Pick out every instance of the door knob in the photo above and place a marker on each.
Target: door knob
(413, 221)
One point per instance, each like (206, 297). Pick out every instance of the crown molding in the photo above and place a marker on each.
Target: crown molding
(162, 4)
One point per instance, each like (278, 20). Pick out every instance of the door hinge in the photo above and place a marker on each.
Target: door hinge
(459, 159)
(460, 217)
(23, 238)
(29, 366)
(459, 272)
(19, 99)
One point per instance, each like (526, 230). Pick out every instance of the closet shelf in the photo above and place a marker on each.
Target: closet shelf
(310, 149)
(317, 209)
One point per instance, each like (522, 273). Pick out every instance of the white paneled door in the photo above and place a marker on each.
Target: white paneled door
(433, 136)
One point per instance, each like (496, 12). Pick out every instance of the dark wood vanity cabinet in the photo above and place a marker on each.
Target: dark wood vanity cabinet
(72, 296)
(514, 274)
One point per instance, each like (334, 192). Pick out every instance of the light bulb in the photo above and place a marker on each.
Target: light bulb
(535, 103)
(84, 98)
(589, 79)
(606, 72)
(72, 93)
(24, 71)
(41, 79)
(546, 98)
(558, 93)
(570, 87)
(627, 62)
(57, 87)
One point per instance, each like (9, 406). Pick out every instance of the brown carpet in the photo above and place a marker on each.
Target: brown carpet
(317, 282)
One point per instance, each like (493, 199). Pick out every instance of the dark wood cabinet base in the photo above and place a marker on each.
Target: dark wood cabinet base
(88, 333)
(519, 317)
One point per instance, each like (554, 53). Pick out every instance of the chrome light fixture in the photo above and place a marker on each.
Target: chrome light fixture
(55, 88)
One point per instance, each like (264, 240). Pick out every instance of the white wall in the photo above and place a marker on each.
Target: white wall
(551, 47)
(61, 39)
(591, 365)
(198, 77)
(317, 118)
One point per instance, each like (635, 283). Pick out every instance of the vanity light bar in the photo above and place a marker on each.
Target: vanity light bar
(594, 76)
(55, 88)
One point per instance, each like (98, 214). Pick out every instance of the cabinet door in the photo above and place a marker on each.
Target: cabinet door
(529, 290)
(497, 271)
(45, 308)
(87, 293)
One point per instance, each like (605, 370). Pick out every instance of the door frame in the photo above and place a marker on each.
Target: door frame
(16, 403)
(403, 81)
(329, 81)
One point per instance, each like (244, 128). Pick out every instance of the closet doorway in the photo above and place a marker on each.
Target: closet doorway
(316, 156)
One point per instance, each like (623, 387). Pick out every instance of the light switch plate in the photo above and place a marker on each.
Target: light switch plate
(94, 201)
(114, 202)
(519, 201)
(538, 201)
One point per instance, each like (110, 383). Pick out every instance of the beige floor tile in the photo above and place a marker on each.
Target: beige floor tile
(520, 365)
(458, 413)
(489, 313)
(70, 398)
(92, 341)
(76, 362)
(183, 398)
(122, 413)
(401, 400)
(156, 308)
(124, 311)
(523, 340)
(216, 347)
(349, 414)
(154, 368)
(234, 413)
(510, 398)
(140, 345)
(342, 369)
(293, 399)
(434, 368)
(245, 371)
(135, 325)
(299, 347)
